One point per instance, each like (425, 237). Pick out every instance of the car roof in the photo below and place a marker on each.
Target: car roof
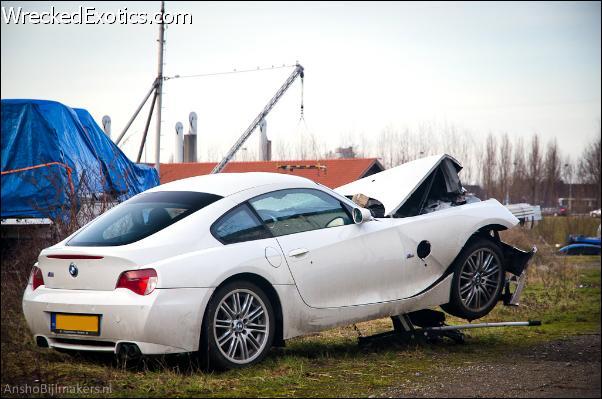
(225, 184)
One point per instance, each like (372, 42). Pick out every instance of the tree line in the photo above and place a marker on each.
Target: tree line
(513, 169)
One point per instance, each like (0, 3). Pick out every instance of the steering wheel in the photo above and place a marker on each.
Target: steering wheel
(336, 221)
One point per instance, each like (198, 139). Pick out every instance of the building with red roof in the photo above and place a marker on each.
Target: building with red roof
(329, 172)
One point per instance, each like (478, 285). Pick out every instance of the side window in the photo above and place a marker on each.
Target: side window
(297, 210)
(239, 224)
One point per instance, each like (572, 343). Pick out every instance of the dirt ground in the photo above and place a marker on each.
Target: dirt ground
(565, 368)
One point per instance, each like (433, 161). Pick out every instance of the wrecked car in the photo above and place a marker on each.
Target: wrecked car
(229, 265)
(454, 236)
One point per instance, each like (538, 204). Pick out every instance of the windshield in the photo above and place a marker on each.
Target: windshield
(140, 217)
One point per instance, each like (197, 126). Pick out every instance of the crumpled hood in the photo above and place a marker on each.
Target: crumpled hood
(392, 187)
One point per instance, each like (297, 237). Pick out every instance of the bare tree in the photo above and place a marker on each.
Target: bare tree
(282, 151)
(568, 170)
(505, 167)
(466, 150)
(534, 169)
(387, 146)
(589, 166)
(404, 140)
(426, 141)
(490, 166)
(511, 170)
(519, 172)
(552, 170)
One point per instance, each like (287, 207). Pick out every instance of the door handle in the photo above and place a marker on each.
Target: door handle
(298, 252)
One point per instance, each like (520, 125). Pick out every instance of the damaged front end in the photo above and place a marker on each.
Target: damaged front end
(432, 185)
(419, 187)
(516, 262)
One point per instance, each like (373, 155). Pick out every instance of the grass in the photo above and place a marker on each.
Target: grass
(554, 230)
(564, 293)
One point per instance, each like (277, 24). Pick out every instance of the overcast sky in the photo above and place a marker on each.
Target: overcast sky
(509, 67)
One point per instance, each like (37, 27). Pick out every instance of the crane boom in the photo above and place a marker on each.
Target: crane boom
(298, 72)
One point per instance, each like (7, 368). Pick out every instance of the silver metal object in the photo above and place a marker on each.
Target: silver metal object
(178, 153)
(263, 141)
(514, 301)
(106, 125)
(241, 326)
(190, 141)
(247, 133)
(479, 279)
(485, 325)
(405, 330)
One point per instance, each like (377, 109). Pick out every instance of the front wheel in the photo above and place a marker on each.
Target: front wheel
(478, 280)
(238, 327)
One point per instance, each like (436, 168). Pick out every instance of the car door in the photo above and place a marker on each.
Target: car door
(334, 262)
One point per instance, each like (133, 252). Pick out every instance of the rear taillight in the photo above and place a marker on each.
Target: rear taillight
(36, 279)
(142, 282)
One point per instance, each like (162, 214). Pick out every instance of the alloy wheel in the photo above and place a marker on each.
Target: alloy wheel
(479, 279)
(241, 326)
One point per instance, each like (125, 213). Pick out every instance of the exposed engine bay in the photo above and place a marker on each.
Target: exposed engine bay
(441, 189)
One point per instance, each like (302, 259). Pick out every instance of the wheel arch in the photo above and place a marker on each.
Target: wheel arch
(272, 295)
(489, 231)
(456, 305)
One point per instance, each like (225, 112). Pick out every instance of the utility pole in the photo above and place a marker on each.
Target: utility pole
(160, 88)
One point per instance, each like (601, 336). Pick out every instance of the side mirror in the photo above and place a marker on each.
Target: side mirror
(361, 215)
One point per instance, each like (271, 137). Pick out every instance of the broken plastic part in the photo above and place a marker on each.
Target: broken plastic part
(361, 200)
(517, 262)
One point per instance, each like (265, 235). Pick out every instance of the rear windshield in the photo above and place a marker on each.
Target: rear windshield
(140, 217)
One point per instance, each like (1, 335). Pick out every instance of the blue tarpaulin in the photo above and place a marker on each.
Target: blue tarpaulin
(53, 154)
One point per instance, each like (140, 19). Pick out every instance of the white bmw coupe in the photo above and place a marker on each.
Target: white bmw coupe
(231, 264)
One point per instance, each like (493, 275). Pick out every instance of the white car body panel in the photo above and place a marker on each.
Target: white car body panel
(301, 320)
(390, 243)
(166, 321)
(349, 273)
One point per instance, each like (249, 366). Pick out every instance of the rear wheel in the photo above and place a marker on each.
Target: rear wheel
(239, 325)
(478, 280)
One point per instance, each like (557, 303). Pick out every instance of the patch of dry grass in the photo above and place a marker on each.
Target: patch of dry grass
(564, 292)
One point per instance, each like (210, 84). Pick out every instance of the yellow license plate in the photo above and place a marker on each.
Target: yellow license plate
(81, 324)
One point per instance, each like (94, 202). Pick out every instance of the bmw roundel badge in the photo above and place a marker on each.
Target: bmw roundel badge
(73, 270)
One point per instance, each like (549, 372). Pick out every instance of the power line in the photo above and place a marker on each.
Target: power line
(200, 75)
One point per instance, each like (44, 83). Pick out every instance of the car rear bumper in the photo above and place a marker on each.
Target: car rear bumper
(165, 321)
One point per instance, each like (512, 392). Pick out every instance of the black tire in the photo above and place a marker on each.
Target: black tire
(250, 345)
(476, 288)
